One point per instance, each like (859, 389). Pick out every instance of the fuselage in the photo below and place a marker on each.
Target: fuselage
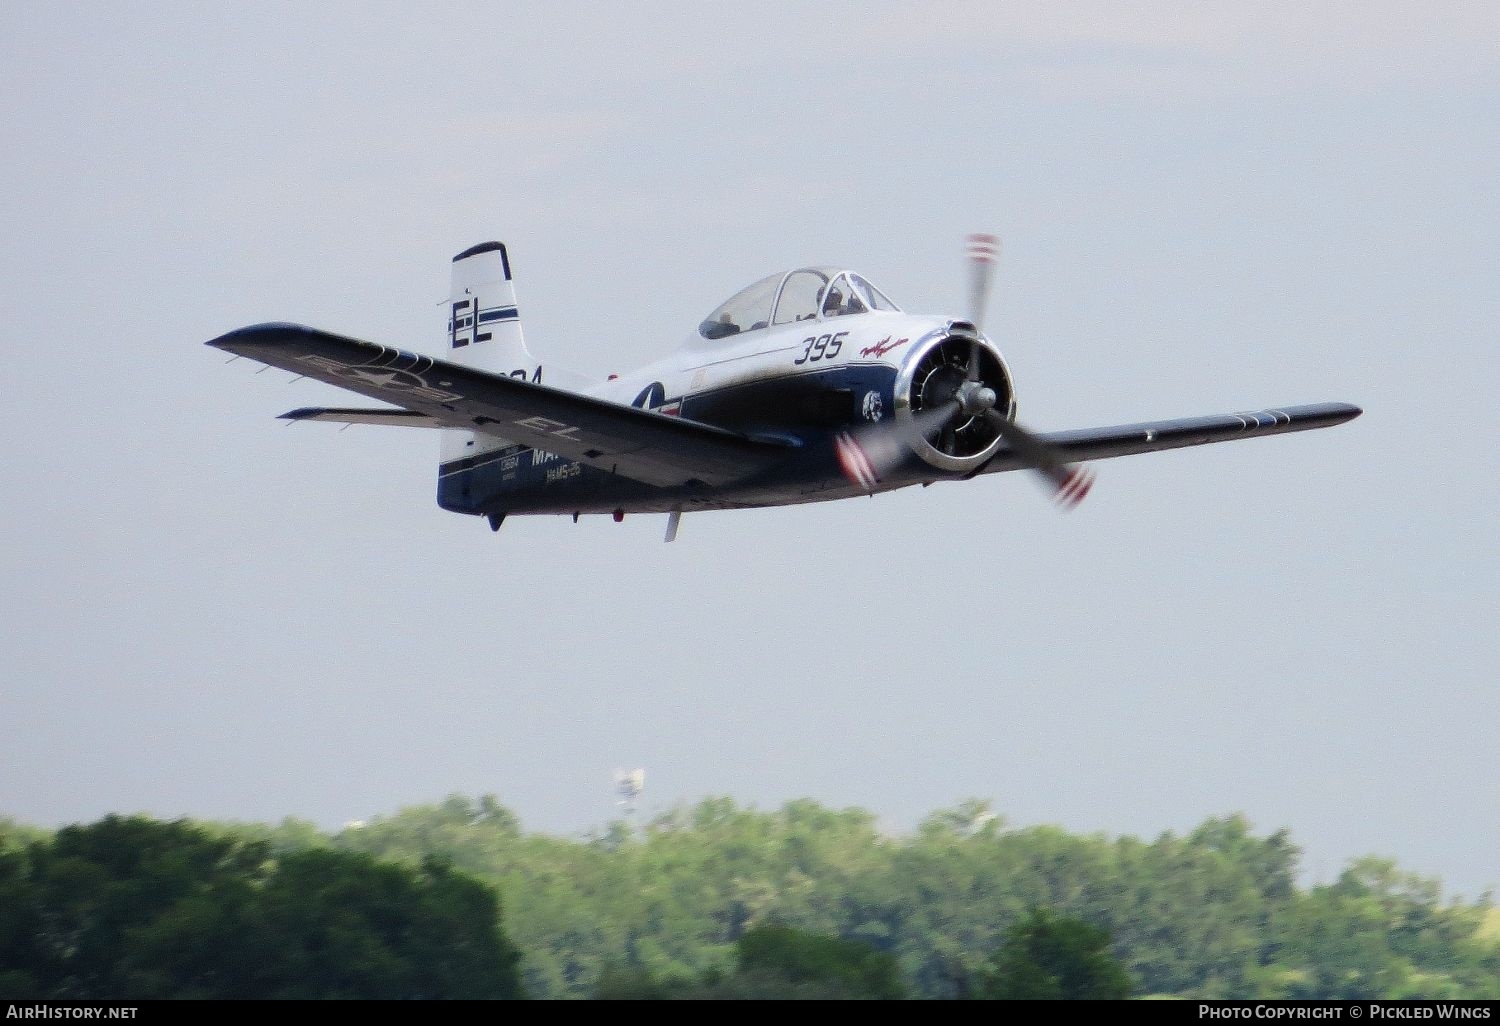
(802, 382)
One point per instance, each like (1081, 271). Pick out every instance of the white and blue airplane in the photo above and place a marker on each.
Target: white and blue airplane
(807, 386)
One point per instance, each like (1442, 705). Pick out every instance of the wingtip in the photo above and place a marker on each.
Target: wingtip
(254, 332)
(1340, 413)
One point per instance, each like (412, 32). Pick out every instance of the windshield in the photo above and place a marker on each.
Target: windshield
(872, 297)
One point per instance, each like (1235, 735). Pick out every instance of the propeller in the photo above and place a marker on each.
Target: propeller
(1070, 481)
(984, 250)
(868, 455)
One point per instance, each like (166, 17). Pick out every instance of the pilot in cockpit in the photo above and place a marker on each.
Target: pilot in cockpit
(834, 304)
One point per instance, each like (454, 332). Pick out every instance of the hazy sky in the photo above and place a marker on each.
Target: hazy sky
(1204, 208)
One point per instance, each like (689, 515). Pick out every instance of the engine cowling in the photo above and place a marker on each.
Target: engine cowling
(931, 378)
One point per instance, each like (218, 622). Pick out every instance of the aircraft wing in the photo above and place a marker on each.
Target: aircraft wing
(634, 443)
(1154, 436)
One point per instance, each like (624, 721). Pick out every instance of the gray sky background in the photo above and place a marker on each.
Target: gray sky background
(1205, 209)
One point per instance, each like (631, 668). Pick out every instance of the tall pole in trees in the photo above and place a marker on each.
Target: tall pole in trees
(628, 785)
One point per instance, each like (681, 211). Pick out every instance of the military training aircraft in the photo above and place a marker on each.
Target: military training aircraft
(808, 385)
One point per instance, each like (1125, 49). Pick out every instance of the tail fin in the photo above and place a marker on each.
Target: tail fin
(484, 326)
(484, 332)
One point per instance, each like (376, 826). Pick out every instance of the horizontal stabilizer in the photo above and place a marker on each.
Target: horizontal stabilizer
(392, 417)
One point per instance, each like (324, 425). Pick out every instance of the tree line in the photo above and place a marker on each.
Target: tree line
(718, 900)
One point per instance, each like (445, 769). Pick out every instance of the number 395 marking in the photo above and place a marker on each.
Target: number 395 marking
(821, 347)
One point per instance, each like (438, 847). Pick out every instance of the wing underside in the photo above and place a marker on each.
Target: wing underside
(1155, 436)
(634, 443)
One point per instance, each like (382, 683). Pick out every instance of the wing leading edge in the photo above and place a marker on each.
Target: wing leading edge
(1154, 436)
(634, 443)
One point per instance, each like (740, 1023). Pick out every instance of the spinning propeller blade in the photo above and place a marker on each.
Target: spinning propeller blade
(867, 455)
(1070, 482)
(984, 250)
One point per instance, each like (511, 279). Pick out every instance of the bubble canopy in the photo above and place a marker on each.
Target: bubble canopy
(809, 293)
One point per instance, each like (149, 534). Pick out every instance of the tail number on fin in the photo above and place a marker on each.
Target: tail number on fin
(466, 318)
